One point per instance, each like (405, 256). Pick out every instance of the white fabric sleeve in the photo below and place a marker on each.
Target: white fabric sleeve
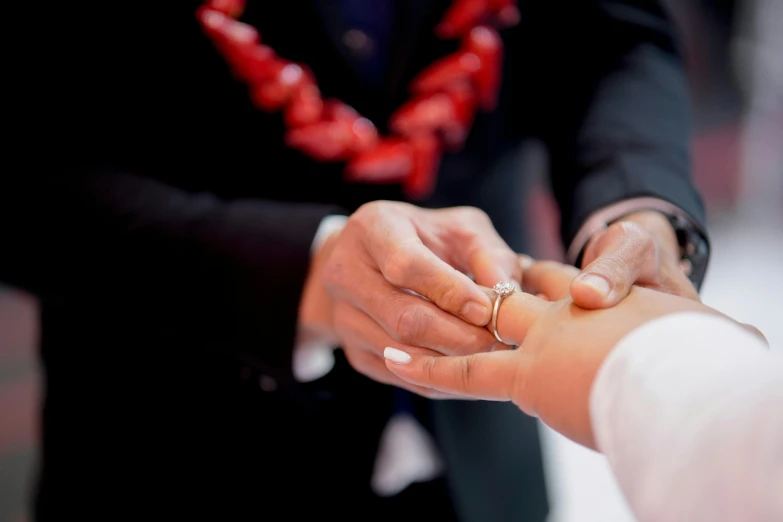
(688, 409)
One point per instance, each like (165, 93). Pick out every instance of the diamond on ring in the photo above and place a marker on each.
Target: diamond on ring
(501, 290)
(504, 289)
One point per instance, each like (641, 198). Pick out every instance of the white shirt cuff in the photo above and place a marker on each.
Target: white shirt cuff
(328, 226)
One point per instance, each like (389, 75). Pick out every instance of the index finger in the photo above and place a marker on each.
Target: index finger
(413, 266)
(490, 376)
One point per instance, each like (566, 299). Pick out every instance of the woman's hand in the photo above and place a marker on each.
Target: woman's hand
(560, 349)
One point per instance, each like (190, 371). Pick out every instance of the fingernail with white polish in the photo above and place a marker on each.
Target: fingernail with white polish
(396, 356)
(598, 283)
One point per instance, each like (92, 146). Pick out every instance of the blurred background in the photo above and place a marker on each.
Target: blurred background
(734, 54)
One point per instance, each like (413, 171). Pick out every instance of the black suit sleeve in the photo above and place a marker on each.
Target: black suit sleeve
(615, 112)
(228, 273)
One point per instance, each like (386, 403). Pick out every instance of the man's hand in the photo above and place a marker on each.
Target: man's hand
(388, 252)
(640, 249)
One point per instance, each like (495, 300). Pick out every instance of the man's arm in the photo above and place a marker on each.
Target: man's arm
(615, 111)
(229, 272)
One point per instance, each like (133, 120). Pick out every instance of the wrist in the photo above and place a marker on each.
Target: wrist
(315, 306)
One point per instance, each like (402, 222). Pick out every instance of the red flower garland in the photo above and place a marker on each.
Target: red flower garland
(445, 95)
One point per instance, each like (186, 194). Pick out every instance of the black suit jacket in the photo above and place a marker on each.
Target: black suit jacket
(166, 230)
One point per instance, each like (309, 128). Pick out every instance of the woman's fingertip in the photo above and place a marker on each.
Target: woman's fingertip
(396, 356)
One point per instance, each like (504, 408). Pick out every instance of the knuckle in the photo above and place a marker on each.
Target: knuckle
(476, 340)
(398, 266)
(335, 271)
(430, 369)
(475, 215)
(469, 220)
(637, 238)
(630, 228)
(411, 324)
(637, 252)
(610, 266)
(368, 211)
(465, 372)
(448, 294)
(637, 235)
(379, 209)
(362, 223)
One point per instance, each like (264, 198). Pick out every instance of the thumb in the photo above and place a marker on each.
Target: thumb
(624, 254)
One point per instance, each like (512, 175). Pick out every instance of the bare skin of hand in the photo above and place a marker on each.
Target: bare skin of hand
(640, 249)
(561, 348)
(396, 276)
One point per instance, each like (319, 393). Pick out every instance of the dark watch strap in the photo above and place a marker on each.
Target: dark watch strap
(694, 250)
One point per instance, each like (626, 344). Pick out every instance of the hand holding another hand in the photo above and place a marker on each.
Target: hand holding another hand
(361, 284)
(561, 348)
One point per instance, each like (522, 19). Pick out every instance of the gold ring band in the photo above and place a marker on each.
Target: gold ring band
(501, 290)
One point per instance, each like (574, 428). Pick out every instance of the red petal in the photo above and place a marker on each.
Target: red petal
(305, 105)
(426, 161)
(390, 160)
(277, 89)
(224, 30)
(464, 106)
(499, 5)
(239, 44)
(232, 8)
(429, 113)
(324, 141)
(461, 16)
(365, 135)
(509, 16)
(453, 68)
(253, 64)
(487, 45)
(335, 110)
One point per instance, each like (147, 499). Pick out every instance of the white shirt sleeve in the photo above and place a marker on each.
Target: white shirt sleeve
(688, 409)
